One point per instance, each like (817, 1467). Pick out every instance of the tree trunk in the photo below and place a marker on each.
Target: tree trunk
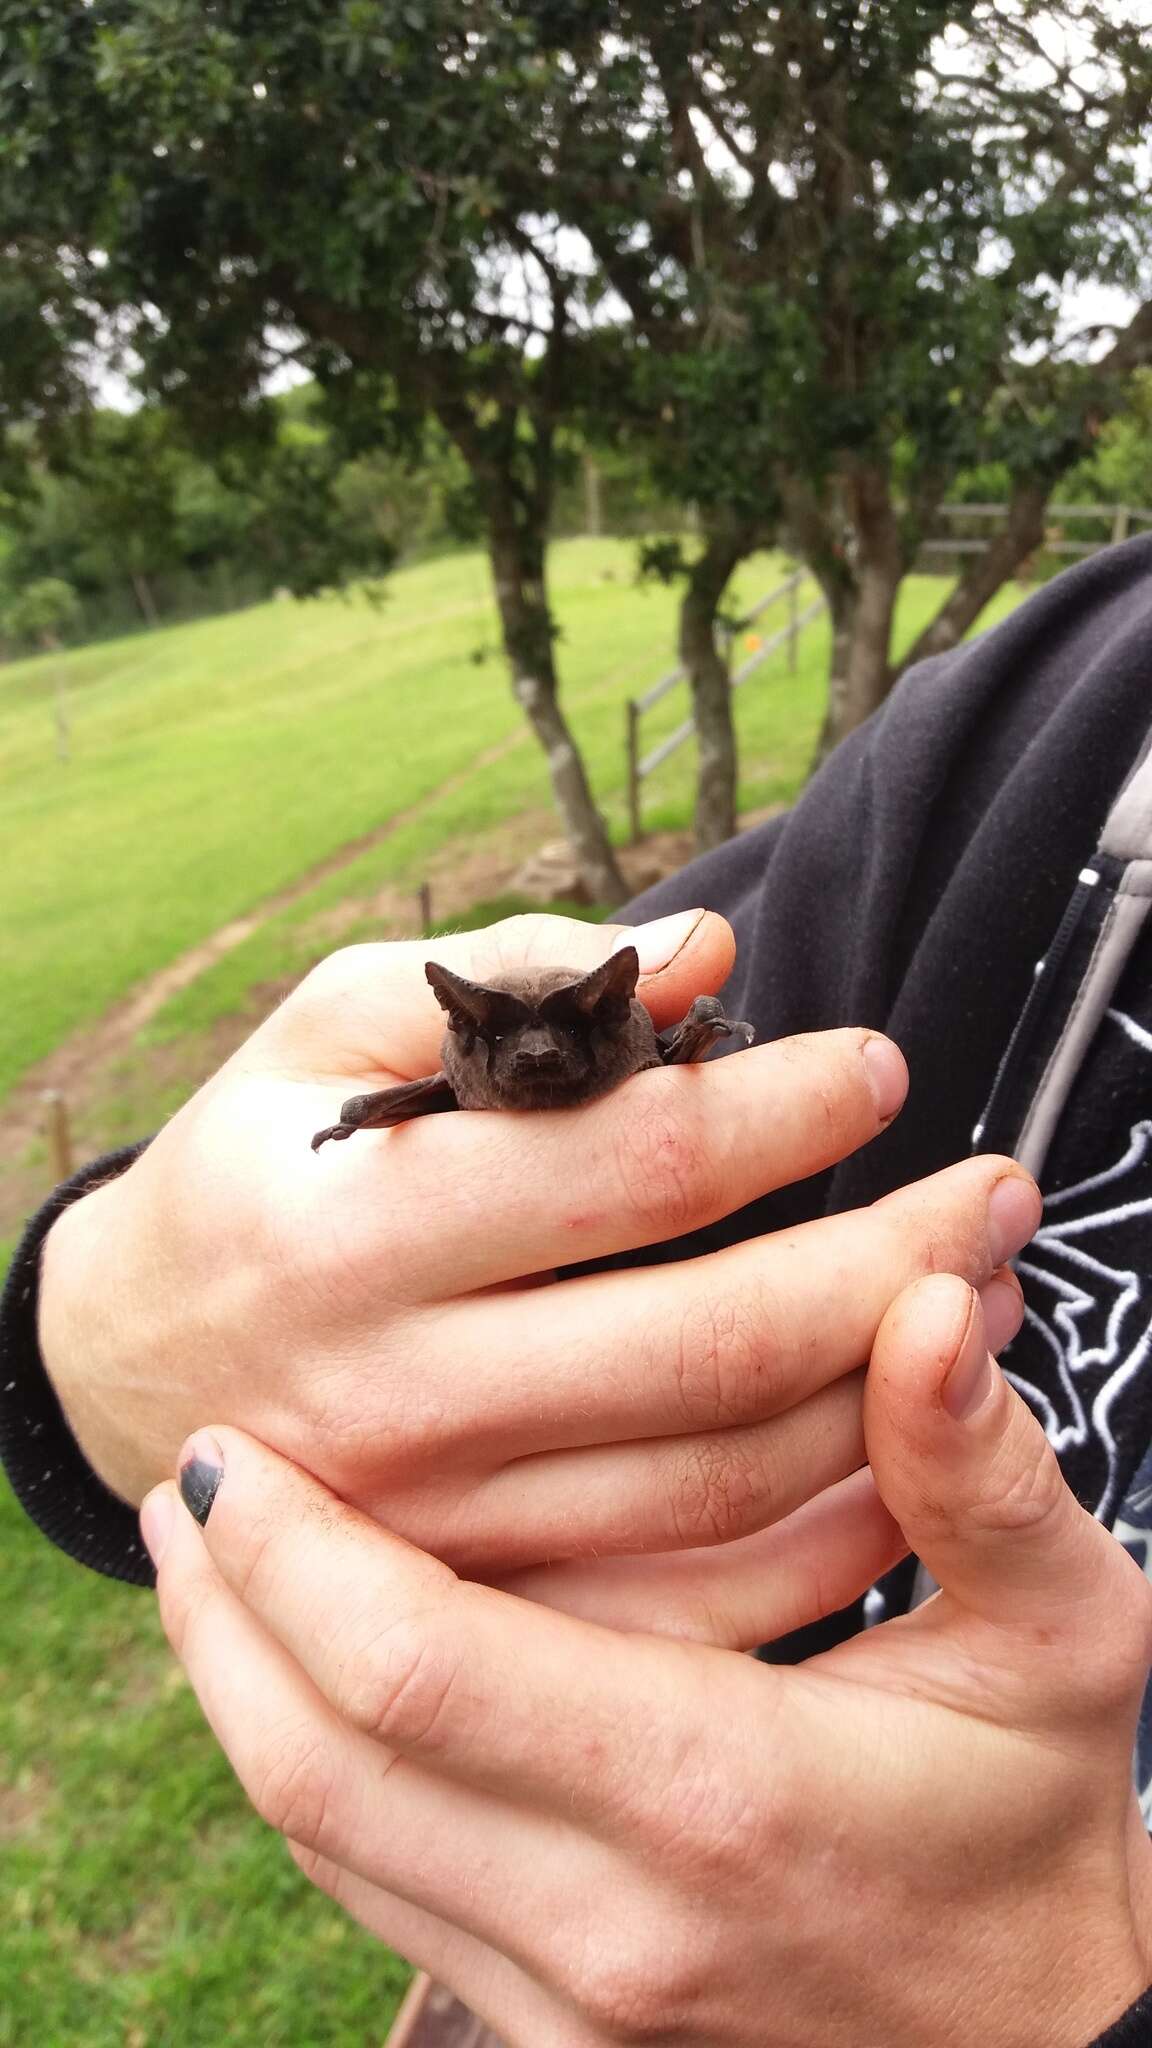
(526, 623)
(144, 597)
(710, 683)
(860, 585)
(860, 676)
(1022, 533)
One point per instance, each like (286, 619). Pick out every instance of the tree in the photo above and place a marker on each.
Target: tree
(890, 200)
(119, 499)
(315, 182)
(43, 612)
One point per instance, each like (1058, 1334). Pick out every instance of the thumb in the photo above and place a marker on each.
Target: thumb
(369, 1009)
(966, 1470)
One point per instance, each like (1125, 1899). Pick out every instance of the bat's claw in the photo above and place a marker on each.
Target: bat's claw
(333, 1131)
(699, 1030)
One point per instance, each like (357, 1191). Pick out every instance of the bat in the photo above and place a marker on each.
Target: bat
(540, 1041)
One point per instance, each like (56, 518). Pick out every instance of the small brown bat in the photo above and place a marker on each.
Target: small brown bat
(541, 1041)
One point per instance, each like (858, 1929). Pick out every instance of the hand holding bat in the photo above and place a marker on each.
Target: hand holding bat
(548, 1040)
(388, 1314)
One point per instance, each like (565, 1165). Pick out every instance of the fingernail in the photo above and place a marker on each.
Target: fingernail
(887, 1074)
(1013, 1216)
(969, 1380)
(1003, 1306)
(201, 1470)
(658, 943)
(156, 1514)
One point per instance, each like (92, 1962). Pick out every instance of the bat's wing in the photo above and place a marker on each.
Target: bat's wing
(695, 1033)
(389, 1106)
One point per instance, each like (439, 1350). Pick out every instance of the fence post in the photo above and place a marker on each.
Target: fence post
(793, 606)
(425, 901)
(59, 1134)
(1120, 523)
(632, 750)
(593, 504)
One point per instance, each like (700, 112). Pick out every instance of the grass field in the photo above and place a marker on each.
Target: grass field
(214, 764)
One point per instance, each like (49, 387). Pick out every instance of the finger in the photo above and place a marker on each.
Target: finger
(421, 1661)
(668, 1495)
(333, 1790)
(967, 1472)
(671, 1150)
(821, 1558)
(494, 1989)
(727, 1339)
(368, 1010)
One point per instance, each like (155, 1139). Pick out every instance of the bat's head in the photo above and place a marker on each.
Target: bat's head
(533, 1042)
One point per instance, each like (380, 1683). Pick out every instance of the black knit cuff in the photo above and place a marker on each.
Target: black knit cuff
(1133, 2029)
(46, 1468)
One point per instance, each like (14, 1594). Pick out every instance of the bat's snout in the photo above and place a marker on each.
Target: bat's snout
(547, 1060)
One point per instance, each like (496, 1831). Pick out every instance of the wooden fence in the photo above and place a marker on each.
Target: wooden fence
(1119, 520)
(640, 766)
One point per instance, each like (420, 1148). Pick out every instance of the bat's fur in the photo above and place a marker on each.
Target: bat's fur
(541, 1041)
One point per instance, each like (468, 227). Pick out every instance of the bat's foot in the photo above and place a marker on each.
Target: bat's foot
(333, 1131)
(354, 1114)
(699, 1030)
(388, 1106)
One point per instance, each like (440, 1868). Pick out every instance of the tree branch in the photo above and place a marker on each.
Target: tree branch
(1023, 530)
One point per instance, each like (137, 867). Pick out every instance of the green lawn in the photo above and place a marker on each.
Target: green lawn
(144, 1906)
(214, 764)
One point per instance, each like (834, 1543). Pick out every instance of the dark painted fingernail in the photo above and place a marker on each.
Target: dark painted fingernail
(201, 1470)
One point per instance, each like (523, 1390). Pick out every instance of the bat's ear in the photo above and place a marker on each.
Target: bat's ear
(605, 994)
(472, 1008)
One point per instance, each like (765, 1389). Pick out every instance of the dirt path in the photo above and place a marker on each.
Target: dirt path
(104, 1073)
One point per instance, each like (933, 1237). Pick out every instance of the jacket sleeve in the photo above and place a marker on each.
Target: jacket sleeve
(46, 1468)
(1132, 2030)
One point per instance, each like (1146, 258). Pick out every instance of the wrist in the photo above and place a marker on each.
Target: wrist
(83, 1336)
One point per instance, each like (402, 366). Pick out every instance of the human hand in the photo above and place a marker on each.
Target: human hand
(379, 1312)
(925, 1838)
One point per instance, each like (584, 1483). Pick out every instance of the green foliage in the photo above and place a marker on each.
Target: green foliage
(42, 611)
(126, 504)
(805, 262)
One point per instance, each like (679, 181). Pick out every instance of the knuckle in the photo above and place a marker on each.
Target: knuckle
(398, 1688)
(647, 1985)
(726, 1363)
(334, 975)
(1017, 1497)
(670, 1182)
(292, 1790)
(714, 1487)
(255, 1563)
